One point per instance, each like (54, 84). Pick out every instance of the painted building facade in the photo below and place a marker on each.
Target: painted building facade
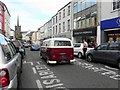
(85, 20)
(109, 21)
(4, 20)
(62, 22)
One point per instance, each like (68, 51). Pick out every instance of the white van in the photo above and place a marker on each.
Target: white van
(56, 50)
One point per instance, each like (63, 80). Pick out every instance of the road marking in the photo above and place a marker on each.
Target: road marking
(111, 68)
(39, 85)
(28, 62)
(55, 85)
(32, 63)
(34, 70)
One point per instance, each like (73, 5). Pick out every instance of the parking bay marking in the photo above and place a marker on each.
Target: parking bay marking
(28, 62)
(47, 77)
(39, 84)
(34, 70)
(103, 71)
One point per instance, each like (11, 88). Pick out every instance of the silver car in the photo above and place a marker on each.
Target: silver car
(10, 64)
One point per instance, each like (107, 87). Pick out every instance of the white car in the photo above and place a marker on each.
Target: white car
(78, 49)
(10, 65)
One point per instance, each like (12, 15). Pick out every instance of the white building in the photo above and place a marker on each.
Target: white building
(109, 17)
(62, 22)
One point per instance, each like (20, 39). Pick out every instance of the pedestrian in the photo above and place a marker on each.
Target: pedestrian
(85, 46)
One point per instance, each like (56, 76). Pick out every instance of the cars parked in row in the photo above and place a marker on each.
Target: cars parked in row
(78, 49)
(108, 53)
(10, 64)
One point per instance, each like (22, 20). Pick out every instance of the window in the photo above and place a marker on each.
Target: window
(63, 26)
(59, 27)
(116, 4)
(56, 18)
(88, 22)
(64, 13)
(83, 5)
(69, 25)
(53, 30)
(56, 29)
(59, 15)
(79, 6)
(6, 51)
(114, 46)
(13, 53)
(88, 3)
(62, 43)
(53, 21)
(77, 45)
(102, 47)
(68, 10)
(93, 2)
(75, 8)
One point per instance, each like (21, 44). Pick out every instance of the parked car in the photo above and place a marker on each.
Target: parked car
(10, 64)
(26, 44)
(35, 47)
(108, 53)
(19, 47)
(78, 49)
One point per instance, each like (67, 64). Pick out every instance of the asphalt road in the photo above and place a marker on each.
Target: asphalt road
(80, 75)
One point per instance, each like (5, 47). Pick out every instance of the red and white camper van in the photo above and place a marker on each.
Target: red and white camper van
(56, 50)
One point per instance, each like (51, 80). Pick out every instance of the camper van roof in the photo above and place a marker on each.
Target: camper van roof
(58, 38)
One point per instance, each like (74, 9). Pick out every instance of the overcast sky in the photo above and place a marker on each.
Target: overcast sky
(32, 13)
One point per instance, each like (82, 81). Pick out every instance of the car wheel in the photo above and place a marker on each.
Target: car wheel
(90, 58)
(79, 55)
(119, 64)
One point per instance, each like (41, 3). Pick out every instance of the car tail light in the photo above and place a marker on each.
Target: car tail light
(4, 77)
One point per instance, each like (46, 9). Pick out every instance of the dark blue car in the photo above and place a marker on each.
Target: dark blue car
(108, 53)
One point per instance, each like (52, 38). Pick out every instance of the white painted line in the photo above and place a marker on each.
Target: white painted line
(32, 63)
(24, 62)
(39, 85)
(51, 86)
(111, 68)
(34, 70)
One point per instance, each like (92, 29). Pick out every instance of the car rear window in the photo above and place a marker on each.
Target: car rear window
(62, 43)
(77, 45)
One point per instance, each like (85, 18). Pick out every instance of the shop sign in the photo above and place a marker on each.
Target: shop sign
(110, 24)
(85, 32)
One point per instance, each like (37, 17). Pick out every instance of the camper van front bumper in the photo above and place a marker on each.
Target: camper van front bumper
(72, 60)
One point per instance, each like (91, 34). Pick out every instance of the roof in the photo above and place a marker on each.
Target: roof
(58, 38)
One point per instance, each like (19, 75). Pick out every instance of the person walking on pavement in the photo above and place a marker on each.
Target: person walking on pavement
(85, 46)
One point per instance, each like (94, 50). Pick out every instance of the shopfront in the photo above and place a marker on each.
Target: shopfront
(110, 30)
(87, 33)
